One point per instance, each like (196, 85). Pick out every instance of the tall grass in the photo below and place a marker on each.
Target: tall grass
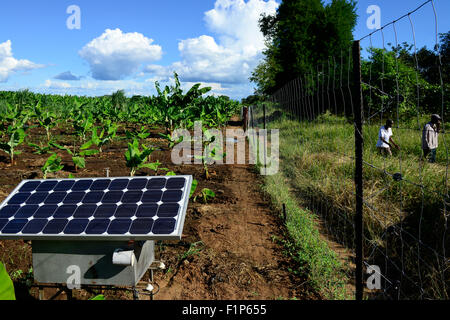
(317, 163)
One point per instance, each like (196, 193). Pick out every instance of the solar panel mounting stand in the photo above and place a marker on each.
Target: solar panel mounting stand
(59, 261)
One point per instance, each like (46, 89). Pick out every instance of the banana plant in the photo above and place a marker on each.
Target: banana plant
(53, 164)
(45, 118)
(135, 134)
(40, 149)
(136, 158)
(78, 158)
(16, 137)
(206, 195)
(193, 187)
(171, 140)
(14, 113)
(210, 155)
(102, 139)
(155, 166)
(6, 285)
(82, 125)
(208, 159)
(173, 103)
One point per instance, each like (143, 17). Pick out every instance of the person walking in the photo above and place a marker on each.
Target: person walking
(385, 142)
(430, 135)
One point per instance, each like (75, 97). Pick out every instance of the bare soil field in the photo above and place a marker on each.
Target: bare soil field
(233, 253)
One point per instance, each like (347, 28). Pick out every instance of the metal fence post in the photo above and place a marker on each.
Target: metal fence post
(264, 115)
(265, 139)
(358, 169)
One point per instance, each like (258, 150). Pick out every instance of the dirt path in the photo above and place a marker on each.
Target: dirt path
(238, 259)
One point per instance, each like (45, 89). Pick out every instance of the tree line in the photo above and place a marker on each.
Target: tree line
(304, 34)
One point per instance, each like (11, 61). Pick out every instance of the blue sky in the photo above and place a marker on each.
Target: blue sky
(130, 44)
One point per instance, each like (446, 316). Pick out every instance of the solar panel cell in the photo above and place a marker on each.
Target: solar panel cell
(74, 197)
(132, 197)
(35, 226)
(29, 186)
(8, 211)
(137, 184)
(156, 183)
(118, 184)
(3, 222)
(105, 211)
(126, 210)
(151, 196)
(26, 212)
(37, 198)
(93, 197)
(100, 185)
(172, 196)
(81, 185)
(76, 226)
(164, 226)
(141, 226)
(168, 210)
(175, 183)
(55, 197)
(55, 226)
(119, 226)
(64, 185)
(112, 197)
(45, 211)
(19, 198)
(97, 226)
(14, 226)
(65, 211)
(147, 210)
(46, 186)
(85, 211)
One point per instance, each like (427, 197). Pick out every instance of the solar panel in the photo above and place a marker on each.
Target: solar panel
(123, 208)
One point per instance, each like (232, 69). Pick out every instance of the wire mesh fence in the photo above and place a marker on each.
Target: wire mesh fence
(405, 193)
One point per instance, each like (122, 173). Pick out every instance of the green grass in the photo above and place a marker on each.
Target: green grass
(317, 172)
(321, 265)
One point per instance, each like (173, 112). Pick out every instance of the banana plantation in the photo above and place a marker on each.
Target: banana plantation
(33, 120)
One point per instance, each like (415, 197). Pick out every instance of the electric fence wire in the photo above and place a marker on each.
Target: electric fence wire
(309, 96)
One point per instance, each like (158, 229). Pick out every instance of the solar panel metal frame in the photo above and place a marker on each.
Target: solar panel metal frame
(175, 235)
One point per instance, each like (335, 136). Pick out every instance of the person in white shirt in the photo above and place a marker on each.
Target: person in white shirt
(430, 137)
(385, 142)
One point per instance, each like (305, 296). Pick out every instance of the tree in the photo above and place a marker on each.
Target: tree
(302, 35)
(394, 70)
(445, 55)
(265, 73)
(428, 60)
(253, 100)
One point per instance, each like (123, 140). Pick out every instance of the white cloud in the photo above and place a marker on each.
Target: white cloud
(92, 87)
(115, 55)
(9, 64)
(237, 23)
(159, 73)
(56, 85)
(231, 57)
